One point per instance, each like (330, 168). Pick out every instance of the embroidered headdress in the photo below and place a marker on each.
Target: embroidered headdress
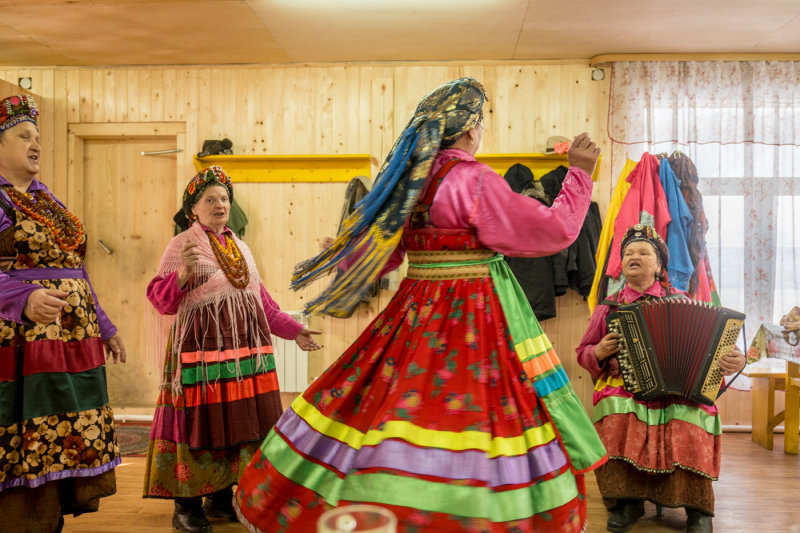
(645, 233)
(200, 182)
(16, 109)
(373, 230)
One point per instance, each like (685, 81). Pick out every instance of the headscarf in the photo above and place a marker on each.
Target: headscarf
(646, 233)
(17, 109)
(201, 181)
(373, 230)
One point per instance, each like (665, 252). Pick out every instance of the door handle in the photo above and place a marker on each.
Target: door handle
(105, 248)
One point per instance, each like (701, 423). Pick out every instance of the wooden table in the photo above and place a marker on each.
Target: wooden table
(765, 383)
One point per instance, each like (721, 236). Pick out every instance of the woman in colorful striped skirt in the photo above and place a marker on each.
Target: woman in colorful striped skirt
(57, 445)
(219, 395)
(451, 409)
(665, 450)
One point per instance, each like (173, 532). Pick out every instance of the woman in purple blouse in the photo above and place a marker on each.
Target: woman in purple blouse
(57, 444)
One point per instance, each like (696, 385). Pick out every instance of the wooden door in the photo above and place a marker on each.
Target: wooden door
(128, 203)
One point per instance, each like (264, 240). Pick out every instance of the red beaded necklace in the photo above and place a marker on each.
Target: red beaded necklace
(65, 227)
(230, 260)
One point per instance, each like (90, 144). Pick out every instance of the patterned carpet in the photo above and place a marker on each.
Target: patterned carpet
(132, 438)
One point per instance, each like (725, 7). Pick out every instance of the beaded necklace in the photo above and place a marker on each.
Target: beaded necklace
(230, 260)
(65, 227)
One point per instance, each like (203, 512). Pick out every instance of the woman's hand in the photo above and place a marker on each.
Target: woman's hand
(44, 305)
(115, 349)
(732, 363)
(189, 258)
(583, 153)
(305, 341)
(608, 346)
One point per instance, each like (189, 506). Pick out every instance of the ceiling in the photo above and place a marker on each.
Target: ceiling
(185, 32)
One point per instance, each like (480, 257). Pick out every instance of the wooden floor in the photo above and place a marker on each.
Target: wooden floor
(758, 491)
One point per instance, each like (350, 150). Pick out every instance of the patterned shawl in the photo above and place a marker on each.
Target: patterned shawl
(374, 229)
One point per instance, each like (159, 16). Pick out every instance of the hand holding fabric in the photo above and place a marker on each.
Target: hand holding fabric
(305, 341)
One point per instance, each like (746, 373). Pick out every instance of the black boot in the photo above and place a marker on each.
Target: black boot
(624, 515)
(697, 522)
(220, 505)
(188, 516)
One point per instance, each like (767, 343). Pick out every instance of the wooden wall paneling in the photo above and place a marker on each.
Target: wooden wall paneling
(134, 109)
(340, 110)
(43, 86)
(251, 129)
(145, 95)
(95, 102)
(58, 181)
(169, 93)
(85, 91)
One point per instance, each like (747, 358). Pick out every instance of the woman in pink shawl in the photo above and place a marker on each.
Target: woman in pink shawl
(219, 394)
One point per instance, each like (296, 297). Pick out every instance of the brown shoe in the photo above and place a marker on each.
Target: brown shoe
(697, 522)
(624, 515)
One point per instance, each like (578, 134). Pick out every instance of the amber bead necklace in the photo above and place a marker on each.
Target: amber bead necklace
(230, 260)
(65, 227)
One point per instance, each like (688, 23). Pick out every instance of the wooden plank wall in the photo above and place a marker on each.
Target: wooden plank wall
(324, 109)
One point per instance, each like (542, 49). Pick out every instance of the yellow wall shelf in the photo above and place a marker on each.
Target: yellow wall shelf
(540, 164)
(344, 167)
(289, 168)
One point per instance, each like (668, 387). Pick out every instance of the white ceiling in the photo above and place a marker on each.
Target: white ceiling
(178, 32)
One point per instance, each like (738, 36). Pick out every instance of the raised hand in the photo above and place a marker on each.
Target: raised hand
(189, 258)
(583, 153)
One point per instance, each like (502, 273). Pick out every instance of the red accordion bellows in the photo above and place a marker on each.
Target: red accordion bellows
(673, 346)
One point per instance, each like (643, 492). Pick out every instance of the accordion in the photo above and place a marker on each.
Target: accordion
(672, 346)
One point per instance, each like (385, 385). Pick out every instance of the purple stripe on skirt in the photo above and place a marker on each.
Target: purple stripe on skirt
(169, 423)
(63, 474)
(400, 455)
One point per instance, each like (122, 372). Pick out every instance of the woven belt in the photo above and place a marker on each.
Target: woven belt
(456, 264)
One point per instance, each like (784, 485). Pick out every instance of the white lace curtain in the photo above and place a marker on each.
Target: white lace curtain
(740, 124)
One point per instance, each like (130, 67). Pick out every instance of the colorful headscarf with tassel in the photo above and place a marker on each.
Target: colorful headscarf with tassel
(374, 229)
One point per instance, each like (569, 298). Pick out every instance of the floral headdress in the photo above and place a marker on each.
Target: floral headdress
(16, 109)
(200, 182)
(645, 233)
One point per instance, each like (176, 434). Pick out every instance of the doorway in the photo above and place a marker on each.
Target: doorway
(126, 195)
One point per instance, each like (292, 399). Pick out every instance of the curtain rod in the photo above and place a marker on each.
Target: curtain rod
(604, 60)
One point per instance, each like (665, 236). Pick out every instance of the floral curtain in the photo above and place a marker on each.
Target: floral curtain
(740, 124)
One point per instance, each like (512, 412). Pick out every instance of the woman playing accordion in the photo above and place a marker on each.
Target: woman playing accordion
(665, 450)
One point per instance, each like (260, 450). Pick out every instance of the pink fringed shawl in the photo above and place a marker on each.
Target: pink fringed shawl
(209, 287)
